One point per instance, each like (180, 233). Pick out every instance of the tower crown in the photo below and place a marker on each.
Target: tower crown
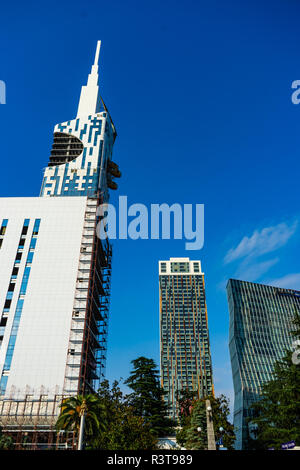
(89, 97)
(80, 161)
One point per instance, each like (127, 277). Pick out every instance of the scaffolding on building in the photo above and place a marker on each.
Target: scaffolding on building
(94, 341)
(30, 417)
(30, 421)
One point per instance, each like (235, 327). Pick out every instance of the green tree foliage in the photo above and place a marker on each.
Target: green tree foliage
(6, 442)
(277, 413)
(70, 415)
(186, 400)
(196, 433)
(125, 430)
(147, 397)
(220, 413)
(194, 411)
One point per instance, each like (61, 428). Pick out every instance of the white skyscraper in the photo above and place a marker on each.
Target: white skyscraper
(55, 272)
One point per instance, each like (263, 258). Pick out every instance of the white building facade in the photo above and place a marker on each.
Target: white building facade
(54, 270)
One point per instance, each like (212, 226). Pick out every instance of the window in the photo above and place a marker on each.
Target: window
(25, 281)
(3, 230)
(30, 257)
(3, 383)
(21, 243)
(3, 226)
(196, 268)
(179, 267)
(11, 287)
(25, 227)
(163, 267)
(32, 244)
(36, 226)
(15, 272)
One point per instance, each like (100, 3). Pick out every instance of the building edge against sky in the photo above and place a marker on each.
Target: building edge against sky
(185, 359)
(259, 333)
(54, 270)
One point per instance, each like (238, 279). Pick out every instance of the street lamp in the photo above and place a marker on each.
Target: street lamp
(211, 443)
(199, 429)
(220, 442)
(83, 410)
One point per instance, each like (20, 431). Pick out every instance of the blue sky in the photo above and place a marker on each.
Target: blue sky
(200, 93)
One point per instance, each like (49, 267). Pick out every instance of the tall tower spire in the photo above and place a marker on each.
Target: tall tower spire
(82, 147)
(89, 102)
(97, 53)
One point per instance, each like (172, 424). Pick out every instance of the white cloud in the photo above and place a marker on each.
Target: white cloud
(251, 272)
(290, 281)
(261, 242)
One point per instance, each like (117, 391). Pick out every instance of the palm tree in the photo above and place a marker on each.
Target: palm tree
(87, 406)
(6, 442)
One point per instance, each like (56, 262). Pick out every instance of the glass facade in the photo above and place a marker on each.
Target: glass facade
(184, 338)
(259, 333)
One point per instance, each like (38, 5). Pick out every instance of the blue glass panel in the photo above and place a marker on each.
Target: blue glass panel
(30, 257)
(36, 226)
(32, 243)
(3, 383)
(25, 280)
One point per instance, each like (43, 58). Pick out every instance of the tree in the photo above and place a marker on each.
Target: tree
(196, 433)
(6, 442)
(70, 415)
(277, 413)
(220, 413)
(188, 436)
(186, 400)
(125, 431)
(147, 397)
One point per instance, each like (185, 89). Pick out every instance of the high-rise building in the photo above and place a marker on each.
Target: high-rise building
(259, 333)
(185, 359)
(55, 271)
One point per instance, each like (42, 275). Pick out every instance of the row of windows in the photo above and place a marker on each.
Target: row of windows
(18, 258)
(20, 302)
(167, 280)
